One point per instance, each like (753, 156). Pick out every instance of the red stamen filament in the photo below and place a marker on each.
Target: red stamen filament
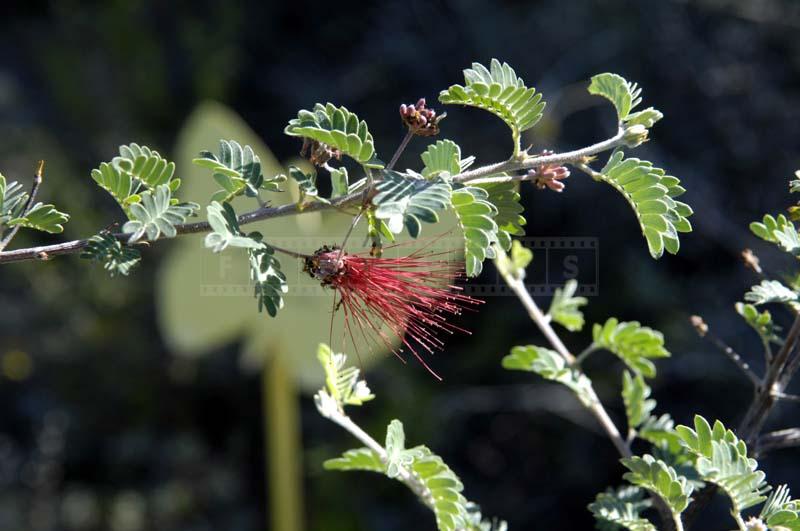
(412, 296)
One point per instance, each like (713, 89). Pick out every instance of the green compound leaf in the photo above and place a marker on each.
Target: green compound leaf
(476, 522)
(781, 510)
(625, 96)
(237, 169)
(622, 509)
(42, 217)
(269, 281)
(398, 458)
(565, 307)
(550, 366)
(136, 169)
(514, 265)
(357, 459)
(652, 195)
(340, 181)
(117, 259)
(770, 291)
(636, 395)
(509, 219)
(779, 231)
(444, 159)
(660, 479)
(408, 200)
(307, 182)
(794, 184)
(155, 215)
(337, 128)
(722, 460)
(499, 91)
(226, 231)
(449, 505)
(760, 322)
(12, 200)
(342, 386)
(633, 343)
(119, 184)
(660, 432)
(145, 165)
(476, 217)
(453, 512)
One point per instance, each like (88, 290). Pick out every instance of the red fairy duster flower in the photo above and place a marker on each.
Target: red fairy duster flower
(410, 297)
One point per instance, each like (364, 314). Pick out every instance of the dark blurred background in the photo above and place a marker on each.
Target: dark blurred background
(103, 427)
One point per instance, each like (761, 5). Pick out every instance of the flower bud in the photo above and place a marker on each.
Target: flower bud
(635, 135)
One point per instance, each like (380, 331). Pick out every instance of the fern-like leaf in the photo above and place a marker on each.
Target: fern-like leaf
(337, 128)
(109, 251)
(762, 322)
(660, 432)
(409, 200)
(550, 366)
(722, 459)
(625, 96)
(652, 195)
(444, 159)
(778, 230)
(780, 510)
(357, 459)
(514, 263)
(269, 281)
(497, 89)
(119, 184)
(622, 509)
(476, 216)
(660, 479)
(42, 217)
(565, 307)
(342, 384)
(340, 181)
(147, 166)
(237, 169)
(154, 215)
(505, 199)
(636, 395)
(307, 182)
(771, 291)
(633, 343)
(12, 200)
(225, 229)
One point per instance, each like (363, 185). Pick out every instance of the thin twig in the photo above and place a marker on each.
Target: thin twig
(585, 354)
(264, 213)
(596, 406)
(774, 383)
(401, 148)
(733, 356)
(787, 397)
(766, 396)
(775, 440)
(536, 315)
(37, 181)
